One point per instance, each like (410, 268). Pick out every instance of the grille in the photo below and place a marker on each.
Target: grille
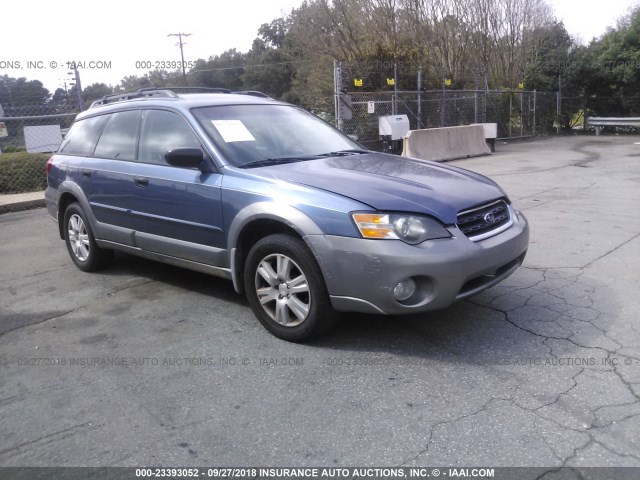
(485, 221)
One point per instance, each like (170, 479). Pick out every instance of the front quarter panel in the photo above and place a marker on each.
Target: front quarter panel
(307, 210)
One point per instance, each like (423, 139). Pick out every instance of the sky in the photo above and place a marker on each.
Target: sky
(125, 37)
(588, 19)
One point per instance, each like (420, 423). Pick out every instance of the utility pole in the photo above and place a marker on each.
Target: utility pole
(181, 44)
(75, 76)
(79, 99)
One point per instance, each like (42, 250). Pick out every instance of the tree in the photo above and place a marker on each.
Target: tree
(271, 63)
(21, 90)
(548, 57)
(94, 92)
(154, 78)
(222, 71)
(605, 72)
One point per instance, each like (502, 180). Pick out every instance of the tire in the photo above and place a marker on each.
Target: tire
(81, 244)
(286, 290)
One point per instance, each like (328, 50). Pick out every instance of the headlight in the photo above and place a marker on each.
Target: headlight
(412, 229)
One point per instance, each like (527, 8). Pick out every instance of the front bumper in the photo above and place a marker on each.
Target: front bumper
(361, 274)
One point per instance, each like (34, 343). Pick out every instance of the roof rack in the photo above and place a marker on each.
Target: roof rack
(141, 93)
(169, 92)
(197, 89)
(253, 93)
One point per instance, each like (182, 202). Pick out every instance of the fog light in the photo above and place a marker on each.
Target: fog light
(404, 289)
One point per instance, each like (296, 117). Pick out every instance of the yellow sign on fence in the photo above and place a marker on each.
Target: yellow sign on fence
(357, 82)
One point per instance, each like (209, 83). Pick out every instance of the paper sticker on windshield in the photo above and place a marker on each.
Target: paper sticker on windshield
(233, 131)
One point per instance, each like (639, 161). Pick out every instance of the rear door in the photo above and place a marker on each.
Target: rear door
(112, 172)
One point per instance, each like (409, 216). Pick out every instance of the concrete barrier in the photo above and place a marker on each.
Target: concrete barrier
(490, 134)
(449, 143)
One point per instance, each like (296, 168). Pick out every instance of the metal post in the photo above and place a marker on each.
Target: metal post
(510, 111)
(475, 99)
(442, 107)
(475, 106)
(486, 97)
(337, 85)
(521, 114)
(535, 105)
(559, 103)
(395, 89)
(419, 97)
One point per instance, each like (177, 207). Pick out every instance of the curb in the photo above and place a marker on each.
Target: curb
(20, 206)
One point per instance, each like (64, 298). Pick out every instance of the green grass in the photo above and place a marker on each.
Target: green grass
(22, 172)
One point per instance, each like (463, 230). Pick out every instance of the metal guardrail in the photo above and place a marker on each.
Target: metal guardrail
(600, 122)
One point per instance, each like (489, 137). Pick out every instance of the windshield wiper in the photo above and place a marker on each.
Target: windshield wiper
(344, 153)
(283, 160)
(278, 161)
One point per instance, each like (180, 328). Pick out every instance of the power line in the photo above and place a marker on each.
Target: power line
(246, 65)
(181, 44)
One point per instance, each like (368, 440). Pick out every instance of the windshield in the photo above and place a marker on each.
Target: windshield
(258, 135)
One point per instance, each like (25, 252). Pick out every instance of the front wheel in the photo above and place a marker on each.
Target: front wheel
(83, 249)
(286, 290)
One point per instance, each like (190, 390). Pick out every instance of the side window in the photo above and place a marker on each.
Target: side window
(162, 131)
(120, 135)
(83, 135)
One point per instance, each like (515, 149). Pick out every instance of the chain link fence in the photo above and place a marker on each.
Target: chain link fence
(29, 132)
(517, 114)
(365, 91)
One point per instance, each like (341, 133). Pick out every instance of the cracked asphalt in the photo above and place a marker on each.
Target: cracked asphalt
(145, 364)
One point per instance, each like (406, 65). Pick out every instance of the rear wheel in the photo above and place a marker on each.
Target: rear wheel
(81, 243)
(286, 290)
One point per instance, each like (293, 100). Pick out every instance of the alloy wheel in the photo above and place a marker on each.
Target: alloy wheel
(283, 290)
(78, 238)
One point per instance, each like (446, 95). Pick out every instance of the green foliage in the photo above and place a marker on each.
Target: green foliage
(21, 90)
(23, 172)
(95, 92)
(271, 64)
(222, 71)
(549, 57)
(11, 149)
(153, 78)
(607, 71)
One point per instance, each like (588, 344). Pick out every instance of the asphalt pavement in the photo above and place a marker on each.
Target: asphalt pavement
(144, 364)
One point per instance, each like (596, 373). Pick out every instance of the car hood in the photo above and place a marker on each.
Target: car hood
(392, 183)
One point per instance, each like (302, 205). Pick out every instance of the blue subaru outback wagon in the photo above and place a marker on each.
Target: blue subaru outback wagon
(303, 220)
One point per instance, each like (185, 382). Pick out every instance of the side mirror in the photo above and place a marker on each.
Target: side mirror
(185, 157)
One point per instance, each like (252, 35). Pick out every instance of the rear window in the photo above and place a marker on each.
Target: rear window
(120, 137)
(83, 136)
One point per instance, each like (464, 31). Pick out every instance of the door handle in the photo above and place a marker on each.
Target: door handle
(141, 181)
(86, 172)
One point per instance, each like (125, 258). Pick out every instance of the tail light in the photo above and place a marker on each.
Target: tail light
(49, 163)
